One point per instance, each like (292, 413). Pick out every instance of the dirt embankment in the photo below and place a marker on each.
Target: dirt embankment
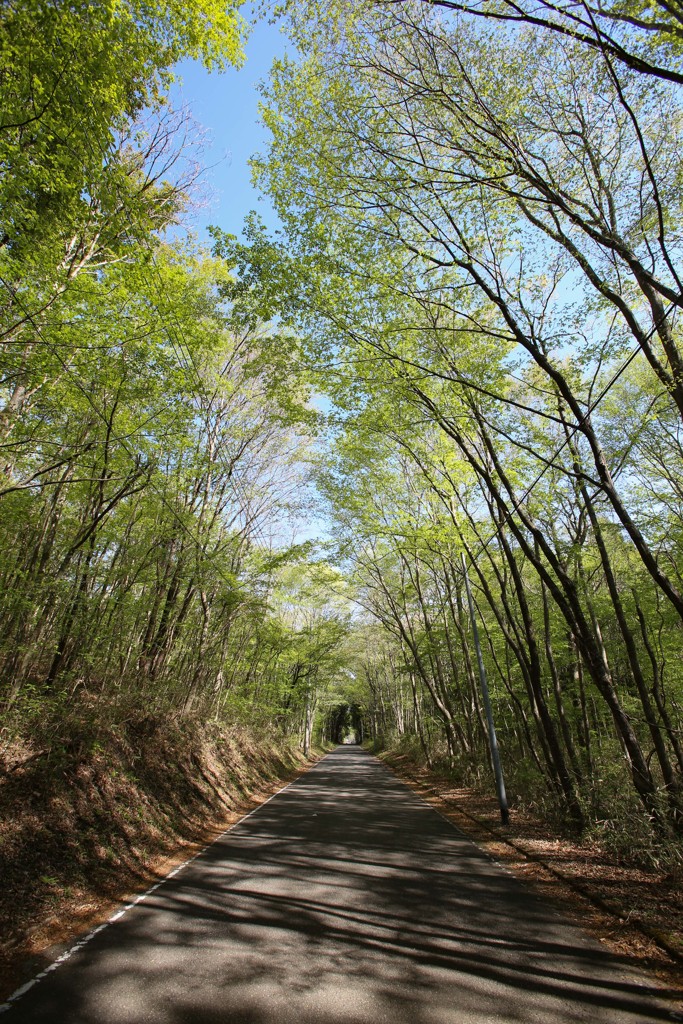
(85, 823)
(638, 913)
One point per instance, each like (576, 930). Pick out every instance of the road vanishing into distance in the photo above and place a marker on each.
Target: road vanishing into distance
(345, 899)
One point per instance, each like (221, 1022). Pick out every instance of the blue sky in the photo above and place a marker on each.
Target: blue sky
(227, 106)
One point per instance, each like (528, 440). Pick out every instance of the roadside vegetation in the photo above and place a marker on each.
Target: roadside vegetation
(481, 262)
(153, 464)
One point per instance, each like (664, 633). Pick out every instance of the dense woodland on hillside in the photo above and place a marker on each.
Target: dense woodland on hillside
(461, 352)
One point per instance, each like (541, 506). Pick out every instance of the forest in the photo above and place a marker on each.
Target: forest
(249, 481)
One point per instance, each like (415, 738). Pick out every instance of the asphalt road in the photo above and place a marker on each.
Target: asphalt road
(343, 900)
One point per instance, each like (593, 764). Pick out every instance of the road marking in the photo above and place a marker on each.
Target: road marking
(28, 985)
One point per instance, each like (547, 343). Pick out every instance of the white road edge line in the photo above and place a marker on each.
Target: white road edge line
(28, 985)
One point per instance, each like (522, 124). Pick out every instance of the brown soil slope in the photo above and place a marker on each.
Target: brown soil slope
(87, 822)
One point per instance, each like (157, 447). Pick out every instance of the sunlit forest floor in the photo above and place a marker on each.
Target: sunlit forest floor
(637, 912)
(84, 824)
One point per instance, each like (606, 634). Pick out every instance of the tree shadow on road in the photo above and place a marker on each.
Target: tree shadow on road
(344, 900)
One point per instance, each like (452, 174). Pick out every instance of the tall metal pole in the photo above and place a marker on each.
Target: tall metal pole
(493, 741)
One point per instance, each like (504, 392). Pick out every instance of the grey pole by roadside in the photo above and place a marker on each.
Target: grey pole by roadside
(493, 741)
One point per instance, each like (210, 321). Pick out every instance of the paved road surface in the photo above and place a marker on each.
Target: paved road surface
(344, 900)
